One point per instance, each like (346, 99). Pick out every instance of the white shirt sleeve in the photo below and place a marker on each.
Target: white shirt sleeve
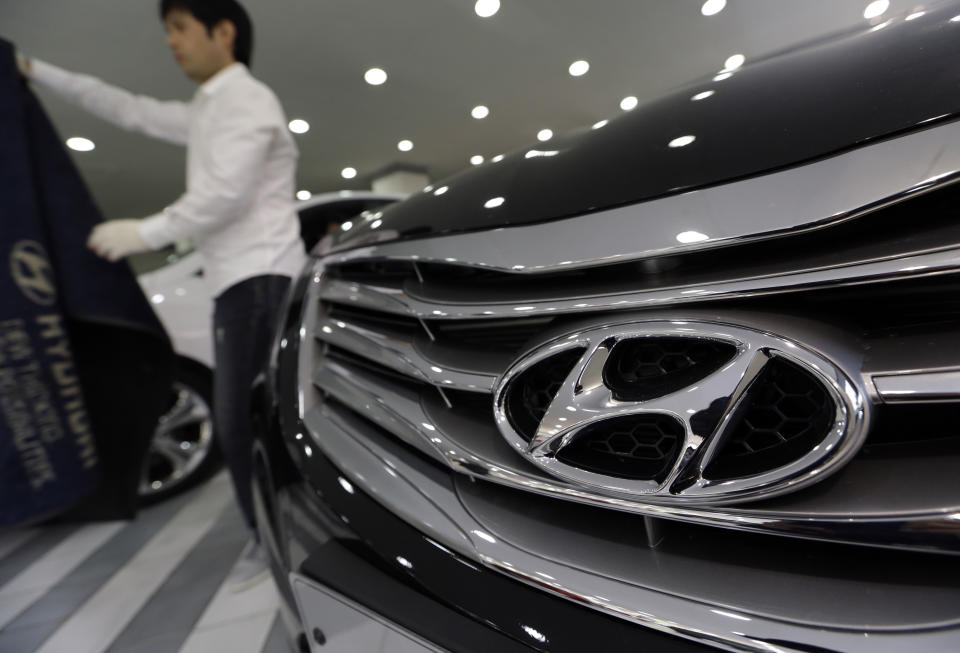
(167, 120)
(235, 149)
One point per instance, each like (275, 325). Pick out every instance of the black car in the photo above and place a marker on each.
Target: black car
(686, 380)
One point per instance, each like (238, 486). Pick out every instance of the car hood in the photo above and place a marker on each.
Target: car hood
(786, 109)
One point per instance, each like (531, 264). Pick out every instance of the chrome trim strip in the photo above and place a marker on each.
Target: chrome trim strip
(395, 300)
(919, 387)
(446, 519)
(805, 197)
(400, 355)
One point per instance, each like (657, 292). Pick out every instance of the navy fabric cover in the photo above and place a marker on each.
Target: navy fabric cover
(85, 366)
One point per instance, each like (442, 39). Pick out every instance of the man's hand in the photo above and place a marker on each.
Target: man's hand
(24, 65)
(116, 239)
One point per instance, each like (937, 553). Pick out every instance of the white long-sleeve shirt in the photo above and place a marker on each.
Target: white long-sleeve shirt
(241, 161)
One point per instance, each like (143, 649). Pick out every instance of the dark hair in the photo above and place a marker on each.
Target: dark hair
(211, 12)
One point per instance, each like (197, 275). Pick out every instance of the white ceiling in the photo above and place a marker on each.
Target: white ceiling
(441, 59)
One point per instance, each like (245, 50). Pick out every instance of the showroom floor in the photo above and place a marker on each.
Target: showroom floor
(152, 585)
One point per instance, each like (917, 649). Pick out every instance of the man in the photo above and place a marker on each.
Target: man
(238, 207)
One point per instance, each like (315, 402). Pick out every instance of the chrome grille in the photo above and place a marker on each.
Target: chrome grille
(383, 333)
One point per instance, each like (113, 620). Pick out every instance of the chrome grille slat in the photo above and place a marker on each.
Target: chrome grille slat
(401, 355)
(409, 300)
(392, 408)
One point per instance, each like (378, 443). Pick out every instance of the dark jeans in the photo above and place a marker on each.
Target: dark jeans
(244, 319)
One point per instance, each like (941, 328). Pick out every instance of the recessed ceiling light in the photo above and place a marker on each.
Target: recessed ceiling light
(405, 145)
(702, 96)
(682, 141)
(476, 159)
(733, 62)
(598, 125)
(299, 126)
(486, 8)
(711, 7)
(480, 112)
(375, 76)
(348, 173)
(544, 134)
(493, 202)
(80, 144)
(579, 68)
(628, 103)
(304, 194)
(876, 8)
(722, 76)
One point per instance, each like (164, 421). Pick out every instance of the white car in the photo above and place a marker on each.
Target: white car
(184, 450)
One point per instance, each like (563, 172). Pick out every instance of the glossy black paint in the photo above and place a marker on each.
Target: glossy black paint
(773, 113)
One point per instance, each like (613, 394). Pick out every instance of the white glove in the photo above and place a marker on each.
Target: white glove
(116, 239)
(24, 65)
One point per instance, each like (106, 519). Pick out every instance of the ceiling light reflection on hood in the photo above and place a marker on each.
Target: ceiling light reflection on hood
(598, 125)
(629, 103)
(733, 62)
(579, 68)
(682, 141)
(493, 202)
(722, 76)
(711, 7)
(915, 15)
(80, 144)
(497, 159)
(692, 237)
(375, 76)
(441, 190)
(702, 96)
(486, 8)
(876, 8)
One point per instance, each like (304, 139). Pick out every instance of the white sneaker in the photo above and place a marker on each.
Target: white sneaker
(250, 569)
